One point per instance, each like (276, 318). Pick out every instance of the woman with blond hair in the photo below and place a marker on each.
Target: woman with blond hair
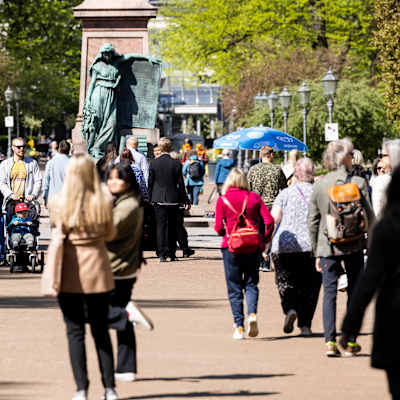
(241, 270)
(297, 280)
(84, 211)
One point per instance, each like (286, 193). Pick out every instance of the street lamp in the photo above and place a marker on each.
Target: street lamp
(272, 103)
(330, 82)
(285, 97)
(304, 94)
(17, 97)
(9, 94)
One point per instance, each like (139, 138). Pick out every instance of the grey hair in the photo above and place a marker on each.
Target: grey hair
(358, 158)
(336, 152)
(304, 170)
(392, 147)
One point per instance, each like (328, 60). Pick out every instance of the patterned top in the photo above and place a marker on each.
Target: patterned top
(141, 182)
(292, 234)
(267, 180)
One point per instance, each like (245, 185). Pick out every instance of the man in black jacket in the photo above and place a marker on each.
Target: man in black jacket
(167, 192)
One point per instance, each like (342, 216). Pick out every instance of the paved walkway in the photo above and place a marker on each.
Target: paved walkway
(190, 354)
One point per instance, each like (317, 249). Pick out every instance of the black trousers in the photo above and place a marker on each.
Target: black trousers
(166, 219)
(393, 376)
(92, 308)
(181, 233)
(298, 284)
(120, 297)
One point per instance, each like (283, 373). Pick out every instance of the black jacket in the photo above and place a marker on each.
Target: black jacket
(166, 181)
(382, 275)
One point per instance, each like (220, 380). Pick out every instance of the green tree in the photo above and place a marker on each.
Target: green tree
(359, 110)
(387, 39)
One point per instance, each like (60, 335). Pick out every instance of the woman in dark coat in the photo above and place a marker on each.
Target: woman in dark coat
(382, 276)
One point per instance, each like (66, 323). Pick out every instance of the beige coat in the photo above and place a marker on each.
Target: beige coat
(86, 267)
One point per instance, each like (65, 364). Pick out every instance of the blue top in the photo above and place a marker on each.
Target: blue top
(141, 182)
(224, 165)
(54, 175)
(292, 235)
(20, 228)
(185, 171)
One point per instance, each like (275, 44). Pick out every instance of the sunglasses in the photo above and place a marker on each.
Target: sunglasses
(19, 147)
(384, 155)
(379, 168)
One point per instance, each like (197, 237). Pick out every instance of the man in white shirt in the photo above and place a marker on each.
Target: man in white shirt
(140, 159)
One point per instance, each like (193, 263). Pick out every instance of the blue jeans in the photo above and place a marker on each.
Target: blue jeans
(331, 270)
(193, 192)
(242, 276)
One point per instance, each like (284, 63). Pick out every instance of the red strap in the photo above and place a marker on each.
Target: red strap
(225, 200)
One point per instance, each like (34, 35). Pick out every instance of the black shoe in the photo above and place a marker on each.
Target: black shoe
(163, 259)
(173, 258)
(188, 252)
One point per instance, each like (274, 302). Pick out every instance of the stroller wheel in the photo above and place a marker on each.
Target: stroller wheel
(32, 262)
(11, 266)
(41, 261)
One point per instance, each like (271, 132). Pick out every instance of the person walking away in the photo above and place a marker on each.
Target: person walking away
(166, 192)
(297, 280)
(202, 156)
(140, 159)
(329, 248)
(55, 171)
(266, 179)
(126, 156)
(193, 171)
(241, 270)
(83, 209)
(107, 161)
(125, 255)
(381, 277)
(222, 169)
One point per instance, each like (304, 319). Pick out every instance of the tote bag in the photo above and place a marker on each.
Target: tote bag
(51, 278)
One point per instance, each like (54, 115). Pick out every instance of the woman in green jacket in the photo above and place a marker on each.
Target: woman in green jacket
(125, 256)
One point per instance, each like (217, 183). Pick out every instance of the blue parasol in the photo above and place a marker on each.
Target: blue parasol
(229, 141)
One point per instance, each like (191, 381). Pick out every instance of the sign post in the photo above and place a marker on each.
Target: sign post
(331, 132)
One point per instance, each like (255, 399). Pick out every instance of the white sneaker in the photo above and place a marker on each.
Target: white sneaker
(290, 318)
(109, 394)
(238, 334)
(252, 327)
(305, 331)
(137, 316)
(80, 395)
(125, 376)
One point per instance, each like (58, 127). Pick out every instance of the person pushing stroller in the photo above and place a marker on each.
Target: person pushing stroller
(21, 227)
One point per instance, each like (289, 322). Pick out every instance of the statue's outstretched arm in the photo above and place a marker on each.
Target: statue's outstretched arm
(134, 56)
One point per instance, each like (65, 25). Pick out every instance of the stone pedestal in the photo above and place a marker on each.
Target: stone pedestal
(124, 24)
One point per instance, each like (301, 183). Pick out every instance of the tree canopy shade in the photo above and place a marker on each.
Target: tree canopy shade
(223, 36)
(387, 41)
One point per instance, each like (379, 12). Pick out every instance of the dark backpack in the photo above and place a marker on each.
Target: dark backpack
(195, 170)
(346, 221)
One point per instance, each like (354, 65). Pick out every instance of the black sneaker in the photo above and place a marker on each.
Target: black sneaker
(173, 258)
(188, 252)
(163, 259)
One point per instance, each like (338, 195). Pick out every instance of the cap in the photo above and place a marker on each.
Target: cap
(21, 207)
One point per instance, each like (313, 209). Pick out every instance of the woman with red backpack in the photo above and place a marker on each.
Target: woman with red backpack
(236, 219)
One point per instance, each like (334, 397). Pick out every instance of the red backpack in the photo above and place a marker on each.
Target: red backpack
(244, 237)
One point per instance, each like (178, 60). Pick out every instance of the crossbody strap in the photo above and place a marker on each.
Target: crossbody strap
(302, 194)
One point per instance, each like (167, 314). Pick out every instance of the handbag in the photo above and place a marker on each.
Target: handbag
(244, 237)
(51, 277)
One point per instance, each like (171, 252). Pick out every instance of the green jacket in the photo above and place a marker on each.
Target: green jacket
(124, 250)
(319, 208)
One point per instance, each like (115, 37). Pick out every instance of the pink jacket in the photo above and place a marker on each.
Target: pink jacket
(254, 210)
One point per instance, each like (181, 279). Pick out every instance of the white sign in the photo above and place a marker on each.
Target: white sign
(9, 121)
(331, 132)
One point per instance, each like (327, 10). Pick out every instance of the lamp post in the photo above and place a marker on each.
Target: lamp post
(272, 103)
(17, 97)
(330, 82)
(304, 94)
(8, 94)
(285, 97)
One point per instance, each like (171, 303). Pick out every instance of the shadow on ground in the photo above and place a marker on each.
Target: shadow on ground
(215, 377)
(242, 393)
(27, 302)
(182, 303)
(13, 385)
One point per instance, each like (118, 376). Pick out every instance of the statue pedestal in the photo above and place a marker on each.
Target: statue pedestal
(124, 24)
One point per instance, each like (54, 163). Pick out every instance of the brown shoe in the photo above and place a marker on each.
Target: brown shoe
(332, 350)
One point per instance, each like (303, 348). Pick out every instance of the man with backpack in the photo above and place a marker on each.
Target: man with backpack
(339, 217)
(193, 170)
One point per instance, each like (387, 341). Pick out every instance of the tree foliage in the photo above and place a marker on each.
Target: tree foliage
(387, 41)
(224, 36)
(359, 110)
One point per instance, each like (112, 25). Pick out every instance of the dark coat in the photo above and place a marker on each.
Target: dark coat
(382, 276)
(166, 181)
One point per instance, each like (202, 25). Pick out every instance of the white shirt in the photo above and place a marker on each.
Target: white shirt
(378, 195)
(141, 163)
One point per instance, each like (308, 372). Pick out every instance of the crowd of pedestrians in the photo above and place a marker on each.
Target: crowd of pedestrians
(308, 231)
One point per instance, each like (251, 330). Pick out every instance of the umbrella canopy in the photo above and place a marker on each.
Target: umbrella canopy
(229, 141)
(259, 136)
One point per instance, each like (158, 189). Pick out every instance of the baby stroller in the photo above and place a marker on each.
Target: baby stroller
(22, 257)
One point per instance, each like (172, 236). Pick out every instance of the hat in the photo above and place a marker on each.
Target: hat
(21, 207)
(288, 170)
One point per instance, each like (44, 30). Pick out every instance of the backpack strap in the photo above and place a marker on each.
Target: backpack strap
(225, 200)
